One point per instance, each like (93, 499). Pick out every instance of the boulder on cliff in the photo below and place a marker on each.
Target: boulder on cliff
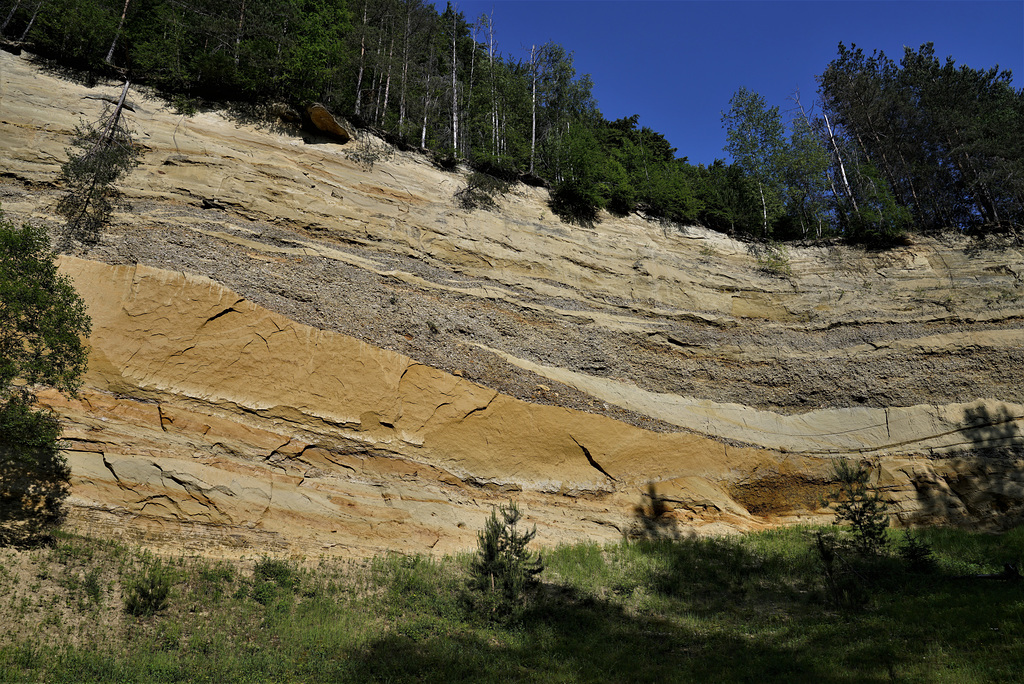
(320, 120)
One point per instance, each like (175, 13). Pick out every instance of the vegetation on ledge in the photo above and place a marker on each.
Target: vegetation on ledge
(884, 149)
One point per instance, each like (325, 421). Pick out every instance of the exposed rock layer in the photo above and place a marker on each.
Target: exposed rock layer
(247, 421)
(240, 428)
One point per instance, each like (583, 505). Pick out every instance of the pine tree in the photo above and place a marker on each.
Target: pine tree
(107, 153)
(503, 563)
(860, 505)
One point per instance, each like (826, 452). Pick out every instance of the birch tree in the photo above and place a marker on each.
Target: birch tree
(755, 141)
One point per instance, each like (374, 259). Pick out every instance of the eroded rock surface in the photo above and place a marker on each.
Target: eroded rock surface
(296, 351)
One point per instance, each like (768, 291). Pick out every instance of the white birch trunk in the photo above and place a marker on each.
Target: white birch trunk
(533, 106)
(839, 161)
(387, 83)
(455, 93)
(238, 32)
(764, 207)
(117, 34)
(31, 21)
(10, 15)
(405, 72)
(362, 63)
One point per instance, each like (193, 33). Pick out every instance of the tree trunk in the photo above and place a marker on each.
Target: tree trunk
(387, 83)
(533, 106)
(362, 62)
(35, 13)
(115, 117)
(469, 88)
(378, 74)
(455, 89)
(764, 207)
(405, 70)
(494, 97)
(426, 98)
(10, 15)
(102, 142)
(238, 31)
(110, 53)
(842, 167)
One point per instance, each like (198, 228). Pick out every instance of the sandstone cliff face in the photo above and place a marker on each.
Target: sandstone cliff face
(294, 352)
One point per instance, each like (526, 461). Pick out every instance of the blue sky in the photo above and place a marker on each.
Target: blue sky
(676, 63)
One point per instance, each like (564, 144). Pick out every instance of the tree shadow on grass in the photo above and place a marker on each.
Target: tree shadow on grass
(567, 636)
(709, 610)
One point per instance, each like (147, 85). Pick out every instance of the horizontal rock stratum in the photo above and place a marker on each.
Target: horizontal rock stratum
(211, 421)
(205, 409)
(296, 352)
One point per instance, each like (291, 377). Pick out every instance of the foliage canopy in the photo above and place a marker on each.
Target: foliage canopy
(885, 148)
(42, 323)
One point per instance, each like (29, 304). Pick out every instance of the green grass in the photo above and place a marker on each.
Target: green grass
(751, 608)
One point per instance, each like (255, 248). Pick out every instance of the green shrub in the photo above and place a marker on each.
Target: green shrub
(212, 580)
(503, 565)
(575, 203)
(772, 258)
(92, 586)
(446, 159)
(496, 166)
(852, 556)
(859, 505)
(917, 553)
(277, 571)
(185, 105)
(481, 191)
(148, 592)
(263, 592)
(844, 585)
(270, 577)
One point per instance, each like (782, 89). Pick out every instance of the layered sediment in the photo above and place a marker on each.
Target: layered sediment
(297, 351)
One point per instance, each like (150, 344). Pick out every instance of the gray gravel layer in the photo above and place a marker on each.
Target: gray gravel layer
(794, 370)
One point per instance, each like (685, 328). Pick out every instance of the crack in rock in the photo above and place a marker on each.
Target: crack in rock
(590, 459)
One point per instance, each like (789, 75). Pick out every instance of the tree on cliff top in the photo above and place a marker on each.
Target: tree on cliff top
(755, 136)
(42, 325)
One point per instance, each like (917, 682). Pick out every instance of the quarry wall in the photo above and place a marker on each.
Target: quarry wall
(293, 352)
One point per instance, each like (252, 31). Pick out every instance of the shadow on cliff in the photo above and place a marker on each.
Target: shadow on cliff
(267, 118)
(653, 518)
(33, 486)
(985, 485)
(54, 68)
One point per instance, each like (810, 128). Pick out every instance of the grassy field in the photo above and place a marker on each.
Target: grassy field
(753, 608)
